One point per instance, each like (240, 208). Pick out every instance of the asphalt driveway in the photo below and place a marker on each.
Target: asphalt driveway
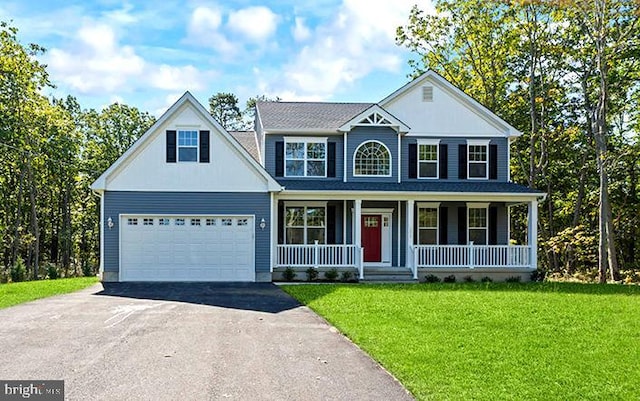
(186, 342)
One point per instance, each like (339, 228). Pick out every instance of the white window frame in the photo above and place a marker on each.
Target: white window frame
(305, 141)
(305, 205)
(482, 206)
(429, 205)
(355, 154)
(178, 146)
(478, 142)
(429, 142)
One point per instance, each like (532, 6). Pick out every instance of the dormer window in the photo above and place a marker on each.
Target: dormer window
(372, 158)
(305, 157)
(187, 146)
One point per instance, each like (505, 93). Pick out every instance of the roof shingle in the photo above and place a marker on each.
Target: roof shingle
(248, 141)
(307, 115)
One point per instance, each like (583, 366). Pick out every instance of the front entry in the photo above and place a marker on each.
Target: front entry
(372, 237)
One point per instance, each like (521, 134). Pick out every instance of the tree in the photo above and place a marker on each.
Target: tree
(248, 115)
(224, 108)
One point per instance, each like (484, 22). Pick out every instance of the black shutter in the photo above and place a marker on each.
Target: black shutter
(493, 225)
(493, 162)
(444, 161)
(204, 146)
(171, 146)
(462, 225)
(280, 223)
(280, 159)
(462, 162)
(331, 159)
(443, 225)
(331, 224)
(413, 160)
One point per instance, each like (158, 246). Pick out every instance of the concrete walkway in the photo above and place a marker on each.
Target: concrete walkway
(187, 342)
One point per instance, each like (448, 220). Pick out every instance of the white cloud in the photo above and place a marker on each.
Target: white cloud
(300, 31)
(203, 30)
(122, 16)
(357, 40)
(254, 23)
(176, 78)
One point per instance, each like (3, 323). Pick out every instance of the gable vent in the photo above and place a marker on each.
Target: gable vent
(427, 93)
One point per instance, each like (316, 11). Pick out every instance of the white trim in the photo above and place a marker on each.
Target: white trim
(481, 206)
(197, 146)
(509, 160)
(305, 205)
(355, 153)
(357, 229)
(439, 81)
(428, 205)
(394, 196)
(101, 182)
(478, 142)
(428, 142)
(399, 231)
(102, 220)
(305, 141)
(388, 214)
(375, 109)
(399, 159)
(344, 222)
(273, 229)
(410, 240)
(344, 158)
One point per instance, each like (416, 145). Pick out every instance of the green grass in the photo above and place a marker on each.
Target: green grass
(17, 293)
(537, 341)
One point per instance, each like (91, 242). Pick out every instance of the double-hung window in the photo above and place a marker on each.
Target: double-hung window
(305, 224)
(478, 159)
(187, 146)
(428, 158)
(305, 157)
(478, 223)
(428, 223)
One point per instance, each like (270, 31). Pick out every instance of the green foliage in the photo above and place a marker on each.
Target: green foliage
(538, 275)
(224, 108)
(18, 271)
(431, 278)
(331, 274)
(469, 279)
(289, 274)
(52, 271)
(483, 341)
(513, 279)
(346, 276)
(449, 279)
(486, 279)
(312, 274)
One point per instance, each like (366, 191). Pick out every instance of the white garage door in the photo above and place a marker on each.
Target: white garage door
(187, 248)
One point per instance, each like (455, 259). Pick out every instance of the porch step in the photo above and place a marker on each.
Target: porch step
(388, 275)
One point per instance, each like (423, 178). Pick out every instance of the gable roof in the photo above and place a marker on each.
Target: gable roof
(457, 93)
(375, 115)
(101, 182)
(248, 141)
(306, 116)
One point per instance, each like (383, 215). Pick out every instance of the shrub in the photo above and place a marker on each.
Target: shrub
(538, 275)
(513, 279)
(486, 279)
(289, 274)
(52, 271)
(312, 274)
(18, 271)
(331, 275)
(346, 276)
(87, 270)
(469, 279)
(431, 278)
(449, 279)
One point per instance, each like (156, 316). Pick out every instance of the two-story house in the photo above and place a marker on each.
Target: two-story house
(415, 184)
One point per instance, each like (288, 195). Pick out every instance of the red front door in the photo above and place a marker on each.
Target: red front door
(372, 237)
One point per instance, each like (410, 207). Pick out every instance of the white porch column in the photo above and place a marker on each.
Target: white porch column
(532, 234)
(409, 258)
(357, 220)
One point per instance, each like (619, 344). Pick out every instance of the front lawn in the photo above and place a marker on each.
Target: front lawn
(17, 293)
(498, 341)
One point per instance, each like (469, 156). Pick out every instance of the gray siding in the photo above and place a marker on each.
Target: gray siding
(116, 203)
(270, 155)
(382, 134)
(452, 226)
(452, 150)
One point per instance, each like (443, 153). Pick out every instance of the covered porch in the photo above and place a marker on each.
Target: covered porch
(413, 234)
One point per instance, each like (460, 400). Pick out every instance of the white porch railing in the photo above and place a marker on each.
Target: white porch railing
(472, 256)
(317, 255)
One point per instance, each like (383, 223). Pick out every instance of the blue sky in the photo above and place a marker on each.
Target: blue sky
(147, 53)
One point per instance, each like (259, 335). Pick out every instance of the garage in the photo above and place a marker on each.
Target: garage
(187, 248)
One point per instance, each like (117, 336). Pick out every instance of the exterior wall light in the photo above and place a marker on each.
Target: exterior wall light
(110, 223)
(263, 224)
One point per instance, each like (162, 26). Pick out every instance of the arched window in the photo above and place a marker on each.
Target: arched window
(372, 158)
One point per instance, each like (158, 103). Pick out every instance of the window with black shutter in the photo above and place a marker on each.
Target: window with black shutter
(279, 159)
(204, 146)
(171, 146)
